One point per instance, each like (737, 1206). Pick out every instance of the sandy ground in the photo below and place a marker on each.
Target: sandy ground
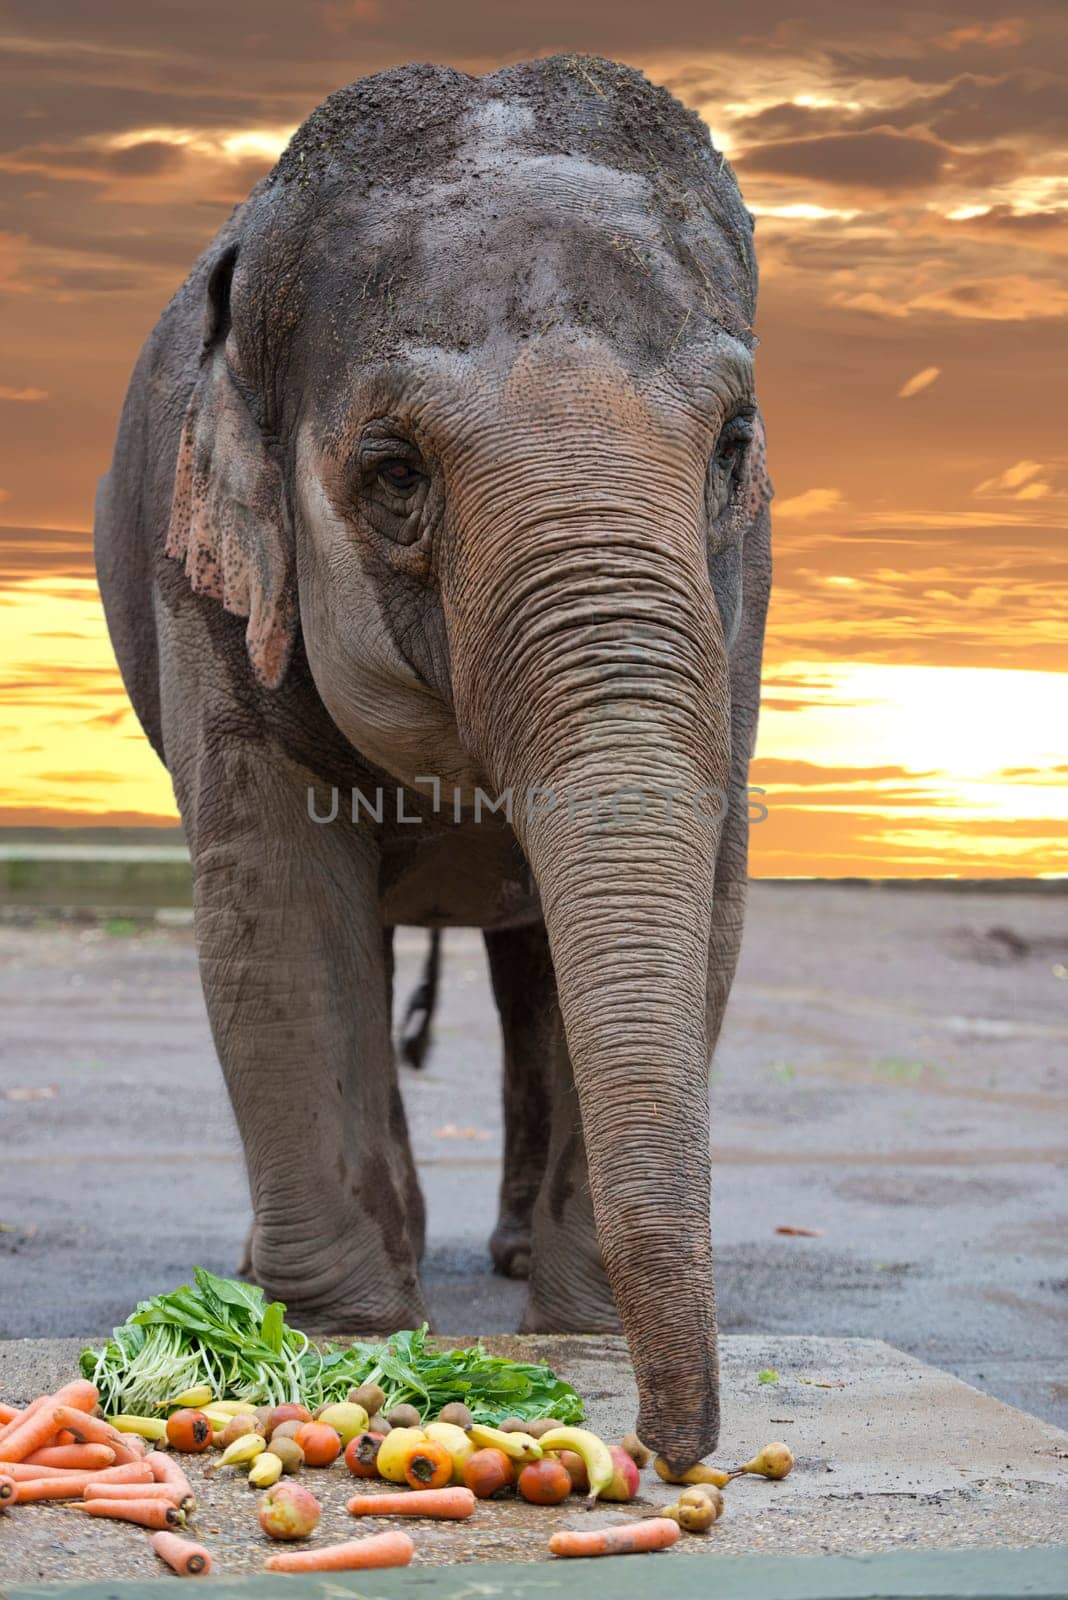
(891, 1074)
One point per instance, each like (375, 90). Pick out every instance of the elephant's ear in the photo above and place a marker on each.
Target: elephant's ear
(757, 490)
(228, 523)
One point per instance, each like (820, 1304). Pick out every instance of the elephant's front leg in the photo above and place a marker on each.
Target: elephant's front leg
(291, 959)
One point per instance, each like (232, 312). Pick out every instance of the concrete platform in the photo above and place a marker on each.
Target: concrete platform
(892, 1455)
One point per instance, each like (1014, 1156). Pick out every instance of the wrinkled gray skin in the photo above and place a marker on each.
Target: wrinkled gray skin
(457, 411)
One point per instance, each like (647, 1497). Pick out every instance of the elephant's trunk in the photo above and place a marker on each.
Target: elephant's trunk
(588, 660)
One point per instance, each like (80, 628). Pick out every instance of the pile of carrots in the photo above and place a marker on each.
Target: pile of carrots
(56, 1449)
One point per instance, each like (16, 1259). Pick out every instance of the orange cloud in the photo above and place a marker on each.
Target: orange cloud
(918, 382)
(813, 503)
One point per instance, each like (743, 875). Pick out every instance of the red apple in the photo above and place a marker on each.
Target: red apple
(288, 1511)
(625, 1479)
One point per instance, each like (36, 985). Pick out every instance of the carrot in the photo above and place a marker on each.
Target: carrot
(187, 1559)
(36, 1429)
(64, 1486)
(73, 1457)
(70, 1484)
(127, 1472)
(64, 1436)
(148, 1513)
(81, 1395)
(92, 1430)
(22, 1416)
(8, 1488)
(139, 1491)
(9, 1413)
(380, 1550)
(165, 1470)
(655, 1533)
(450, 1504)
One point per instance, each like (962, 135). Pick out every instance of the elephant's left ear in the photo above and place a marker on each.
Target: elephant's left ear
(228, 524)
(757, 488)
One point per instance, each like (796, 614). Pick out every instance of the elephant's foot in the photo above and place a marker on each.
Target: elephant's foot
(510, 1247)
(335, 1286)
(583, 1310)
(569, 1289)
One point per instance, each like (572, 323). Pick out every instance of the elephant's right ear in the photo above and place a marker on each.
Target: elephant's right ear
(228, 524)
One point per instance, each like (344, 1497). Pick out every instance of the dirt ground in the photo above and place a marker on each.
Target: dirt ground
(891, 1075)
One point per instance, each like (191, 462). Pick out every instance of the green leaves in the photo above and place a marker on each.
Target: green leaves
(223, 1332)
(491, 1386)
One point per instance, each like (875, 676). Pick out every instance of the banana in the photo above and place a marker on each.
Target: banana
(199, 1395)
(227, 1408)
(243, 1450)
(265, 1470)
(516, 1446)
(148, 1427)
(698, 1474)
(600, 1468)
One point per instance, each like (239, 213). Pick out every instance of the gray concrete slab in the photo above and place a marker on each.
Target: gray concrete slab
(891, 1454)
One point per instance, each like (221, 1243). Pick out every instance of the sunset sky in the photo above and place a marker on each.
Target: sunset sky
(908, 169)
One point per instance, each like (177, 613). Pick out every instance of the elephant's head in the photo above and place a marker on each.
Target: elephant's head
(476, 408)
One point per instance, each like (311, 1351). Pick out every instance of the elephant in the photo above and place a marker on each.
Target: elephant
(440, 487)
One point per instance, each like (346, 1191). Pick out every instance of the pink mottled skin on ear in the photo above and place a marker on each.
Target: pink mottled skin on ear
(226, 522)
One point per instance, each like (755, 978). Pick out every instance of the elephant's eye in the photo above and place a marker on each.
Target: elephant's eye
(725, 465)
(399, 475)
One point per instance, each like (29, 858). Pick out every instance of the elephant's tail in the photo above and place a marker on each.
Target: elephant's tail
(416, 1031)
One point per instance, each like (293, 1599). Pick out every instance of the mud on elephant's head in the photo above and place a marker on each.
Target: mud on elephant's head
(475, 410)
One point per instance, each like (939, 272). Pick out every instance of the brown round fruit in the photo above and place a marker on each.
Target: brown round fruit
(541, 1425)
(513, 1425)
(369, 1395)
(405, 1417)
(319, 1442)
(456, 1413)
(544, 1482)
(189, 1431)
(288, 1452)
(286, 1430)
(488, 1474)
(639, 1453)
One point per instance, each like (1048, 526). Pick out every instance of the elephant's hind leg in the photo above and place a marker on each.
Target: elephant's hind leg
(291, 960)
(525, 991)
(546, 1228)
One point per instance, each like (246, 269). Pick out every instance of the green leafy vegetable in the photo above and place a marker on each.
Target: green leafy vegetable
(223, 1333)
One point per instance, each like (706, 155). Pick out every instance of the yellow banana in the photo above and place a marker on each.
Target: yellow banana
(227, 1408)
(265, 1470)
(698, 1474)
(516, 1446)
(600, 1468)
(243, 1450)
(148, 1427)
(199, 1395)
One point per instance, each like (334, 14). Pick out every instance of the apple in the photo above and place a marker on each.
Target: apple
(288, 1511)
(625, 1479)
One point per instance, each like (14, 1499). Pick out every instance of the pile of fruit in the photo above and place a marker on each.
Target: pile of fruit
(61, 1448)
